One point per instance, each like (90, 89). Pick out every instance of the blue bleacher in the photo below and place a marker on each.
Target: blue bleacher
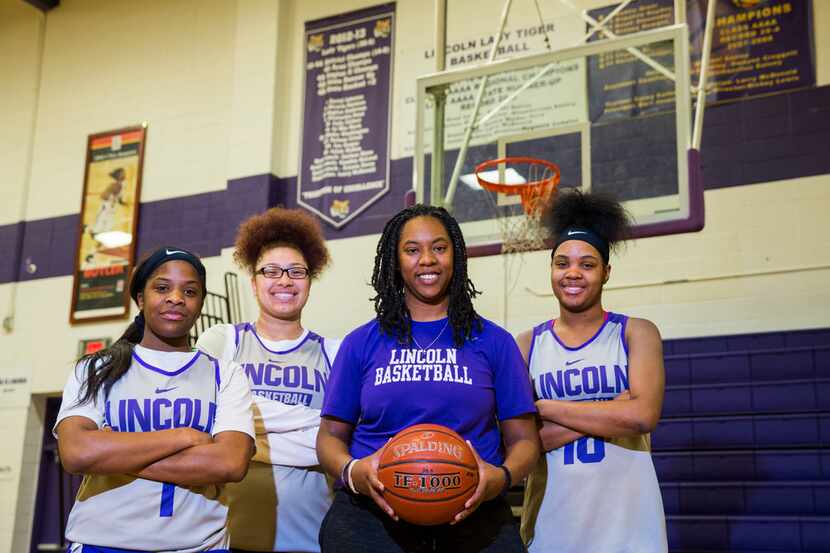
(743, 449)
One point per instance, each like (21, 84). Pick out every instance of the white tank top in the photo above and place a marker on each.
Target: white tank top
(129, 512)
(278, 507)
(591, 495)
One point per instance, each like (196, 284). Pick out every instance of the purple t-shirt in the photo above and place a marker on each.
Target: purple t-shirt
(383, 387)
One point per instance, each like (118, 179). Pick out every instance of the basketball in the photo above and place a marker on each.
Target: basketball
(428, 472)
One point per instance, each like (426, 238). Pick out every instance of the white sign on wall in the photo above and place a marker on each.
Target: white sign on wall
(556, 99)
(469, 41)
(14, 389)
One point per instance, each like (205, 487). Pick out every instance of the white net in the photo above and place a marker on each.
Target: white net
(522, 233)
(534, 182)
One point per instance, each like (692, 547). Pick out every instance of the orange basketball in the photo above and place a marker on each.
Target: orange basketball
(428, 472)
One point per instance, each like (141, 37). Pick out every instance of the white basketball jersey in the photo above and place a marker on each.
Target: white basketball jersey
(128, 512)
(591, 495)
(278, 507)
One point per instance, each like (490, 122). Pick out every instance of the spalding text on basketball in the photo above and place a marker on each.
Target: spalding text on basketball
(432, 446)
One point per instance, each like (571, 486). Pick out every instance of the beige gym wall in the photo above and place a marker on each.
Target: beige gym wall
(219, 83)
(209, 102)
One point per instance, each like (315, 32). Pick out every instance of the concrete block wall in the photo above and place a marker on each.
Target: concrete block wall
(219, 84)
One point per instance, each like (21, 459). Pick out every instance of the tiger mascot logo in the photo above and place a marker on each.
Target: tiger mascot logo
(382, 28)
(315, 42)
(339, 209)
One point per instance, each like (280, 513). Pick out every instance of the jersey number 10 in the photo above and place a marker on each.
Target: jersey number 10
(582, 453)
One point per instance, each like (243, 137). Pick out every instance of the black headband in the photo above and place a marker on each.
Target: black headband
(156, 259)
(586, 235)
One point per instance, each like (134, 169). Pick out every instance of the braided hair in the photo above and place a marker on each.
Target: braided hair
(392, 313)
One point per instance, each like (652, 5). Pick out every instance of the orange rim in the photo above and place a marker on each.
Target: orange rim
(530, 192)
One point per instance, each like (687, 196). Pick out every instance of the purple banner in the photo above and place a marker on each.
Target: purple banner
(758, 47)
(345, 137)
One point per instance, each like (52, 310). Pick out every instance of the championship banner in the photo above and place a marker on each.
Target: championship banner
(758, 47)
(345, 135)
(109, 219)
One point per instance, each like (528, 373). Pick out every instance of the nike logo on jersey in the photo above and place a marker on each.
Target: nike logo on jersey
(171, 252)
(162, 390)
(569, 363)
(575, 232)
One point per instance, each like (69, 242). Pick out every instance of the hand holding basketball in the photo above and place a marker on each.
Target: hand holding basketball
(428, 473)
(490, 484)
(365, 480)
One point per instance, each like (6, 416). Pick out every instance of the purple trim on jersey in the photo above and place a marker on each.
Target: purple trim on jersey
(309, 336)
(218, 376)
(162, 371)
(537, 330)
(591, 339)
(325, 355)
(236, 329)
(617, 318)
(99, 549)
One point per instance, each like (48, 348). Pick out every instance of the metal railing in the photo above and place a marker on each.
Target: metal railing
(219, 308)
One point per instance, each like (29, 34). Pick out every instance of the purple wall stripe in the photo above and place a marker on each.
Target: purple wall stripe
(49, 244)
(777, 137)
(11, 244)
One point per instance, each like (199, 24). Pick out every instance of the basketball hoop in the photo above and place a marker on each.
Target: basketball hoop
(534, 181)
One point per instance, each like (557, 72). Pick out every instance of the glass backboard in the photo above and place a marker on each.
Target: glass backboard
(614, 114)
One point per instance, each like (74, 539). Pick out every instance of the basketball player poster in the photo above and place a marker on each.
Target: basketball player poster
(108, 222)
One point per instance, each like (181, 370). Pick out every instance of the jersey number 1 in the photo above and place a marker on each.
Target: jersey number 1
(582, 452)
(167, 491)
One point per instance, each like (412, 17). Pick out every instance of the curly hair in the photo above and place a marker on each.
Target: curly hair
(392, 314)
(276, 227)
(599, 212)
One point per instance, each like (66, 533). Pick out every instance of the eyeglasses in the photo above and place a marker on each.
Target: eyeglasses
(275, 271)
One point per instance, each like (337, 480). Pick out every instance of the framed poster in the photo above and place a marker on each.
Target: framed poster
(109, 218)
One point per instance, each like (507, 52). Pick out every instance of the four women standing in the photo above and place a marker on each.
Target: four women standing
(605, 496)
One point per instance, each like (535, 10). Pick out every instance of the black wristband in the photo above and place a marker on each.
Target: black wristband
(508, 479)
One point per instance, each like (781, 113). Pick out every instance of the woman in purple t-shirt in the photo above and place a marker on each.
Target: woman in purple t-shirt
(427, 357)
